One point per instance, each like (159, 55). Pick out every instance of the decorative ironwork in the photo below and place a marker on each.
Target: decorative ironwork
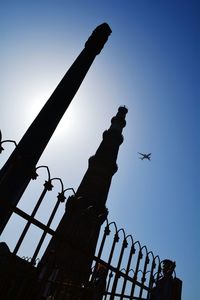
(32, 220)
(128, 272)
(5, 141)
(123, 275)
(122, 268)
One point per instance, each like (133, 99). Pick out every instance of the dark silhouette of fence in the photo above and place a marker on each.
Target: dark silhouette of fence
(130, 272)
(122, 268)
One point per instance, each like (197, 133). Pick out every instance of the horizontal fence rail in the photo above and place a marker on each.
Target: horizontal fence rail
(31, 219)
(122, 268)
(128, 269)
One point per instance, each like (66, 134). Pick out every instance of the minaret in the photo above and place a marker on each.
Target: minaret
(71, 250)
(19, 168)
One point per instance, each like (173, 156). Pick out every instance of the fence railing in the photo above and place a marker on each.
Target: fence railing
(31, 218)
(122, 268)
(128, 268)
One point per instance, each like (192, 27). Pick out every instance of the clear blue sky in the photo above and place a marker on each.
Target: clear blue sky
(151, 64)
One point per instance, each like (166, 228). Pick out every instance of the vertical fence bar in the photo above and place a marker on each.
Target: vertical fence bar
(115, 240)
(132, 251)
(124, 245)
(61, 199)
(144, 273)
(108, 284)
(46, 188)
(150, 284)
(106, 233)
(136, 270)
(45, 231)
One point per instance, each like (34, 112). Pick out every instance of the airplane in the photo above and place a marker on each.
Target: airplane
(145, 156)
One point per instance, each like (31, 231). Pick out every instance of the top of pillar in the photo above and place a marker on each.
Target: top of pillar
(98, 38)
(118, 122)
(123, 109)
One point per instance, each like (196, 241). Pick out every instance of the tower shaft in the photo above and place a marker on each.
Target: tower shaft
(72, 248)
(19, 168)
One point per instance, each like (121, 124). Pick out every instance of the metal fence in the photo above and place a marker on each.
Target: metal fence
(122, 268)
(128, 268)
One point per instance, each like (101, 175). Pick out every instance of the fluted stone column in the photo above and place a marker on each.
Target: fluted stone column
(71, 250)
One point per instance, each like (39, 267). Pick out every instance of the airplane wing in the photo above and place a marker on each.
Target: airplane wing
(149, 154)
(140, 153)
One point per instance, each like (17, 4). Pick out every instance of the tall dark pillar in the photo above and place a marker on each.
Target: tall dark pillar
(18, 170)
(71, 251)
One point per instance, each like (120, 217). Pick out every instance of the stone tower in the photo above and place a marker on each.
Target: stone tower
(72, 248)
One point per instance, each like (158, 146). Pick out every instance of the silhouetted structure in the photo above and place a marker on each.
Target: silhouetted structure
(19, 169)
(71, 267)
(73, 246)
